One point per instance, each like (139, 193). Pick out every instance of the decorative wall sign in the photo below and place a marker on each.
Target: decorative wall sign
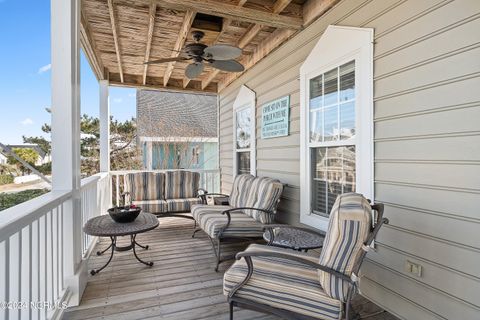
(275, 118)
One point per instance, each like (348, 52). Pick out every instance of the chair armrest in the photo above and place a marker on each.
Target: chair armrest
(203, 191)
(288, 255)
(295, 258)
(229, 217)
(217, 195)
(247, 208)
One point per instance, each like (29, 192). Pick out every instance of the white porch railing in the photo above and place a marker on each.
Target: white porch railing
(34, 253)
(43, 249)
(96, 197)
(32, 257)
(209, 180)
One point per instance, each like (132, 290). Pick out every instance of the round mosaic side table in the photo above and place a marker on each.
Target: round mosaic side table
(104, 226)
(296, 238)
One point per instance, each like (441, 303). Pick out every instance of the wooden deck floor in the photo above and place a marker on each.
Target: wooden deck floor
(181, 285)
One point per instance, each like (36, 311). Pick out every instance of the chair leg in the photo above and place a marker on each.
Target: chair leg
(195, 231)
(218, 254)
(231, 310)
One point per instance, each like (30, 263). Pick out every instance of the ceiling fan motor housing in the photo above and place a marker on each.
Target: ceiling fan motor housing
(195, 50)
(197, 35)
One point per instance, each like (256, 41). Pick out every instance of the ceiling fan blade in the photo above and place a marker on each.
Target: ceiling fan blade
(223, 52)
(228, 65)
(193, 70)
(167, 60)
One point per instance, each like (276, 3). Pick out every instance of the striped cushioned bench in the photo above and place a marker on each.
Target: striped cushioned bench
(163, 192)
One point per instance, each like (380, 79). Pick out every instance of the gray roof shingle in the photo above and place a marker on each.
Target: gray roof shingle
(171, 114)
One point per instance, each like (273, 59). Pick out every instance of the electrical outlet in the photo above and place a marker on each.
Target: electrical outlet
(412, 267)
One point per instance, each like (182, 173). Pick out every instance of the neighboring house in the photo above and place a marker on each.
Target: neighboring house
(43, 156)
(3, 159)
(177, 130)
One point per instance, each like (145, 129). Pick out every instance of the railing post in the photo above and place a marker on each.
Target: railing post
(65, 48)
(104, 126)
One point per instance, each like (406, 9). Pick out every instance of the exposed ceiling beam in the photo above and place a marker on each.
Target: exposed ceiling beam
(182, 37)
(248, 36)
(231, 11)
(156, 83)
(279, 5)
(90, 49)
(151, 23)
(113, 22)
(263, 49)
(312, 9)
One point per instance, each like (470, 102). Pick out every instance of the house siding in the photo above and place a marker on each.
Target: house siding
(427, 147)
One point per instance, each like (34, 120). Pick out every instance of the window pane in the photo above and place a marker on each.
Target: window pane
(243, 162)
(347, 81)
(333, 173)
(316, 88)
(331, 123)
(316, 126)
(331, 87)
(347, 120)
(243, 128)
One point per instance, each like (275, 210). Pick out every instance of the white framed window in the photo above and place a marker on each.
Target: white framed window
(336, 136)
(244, 131)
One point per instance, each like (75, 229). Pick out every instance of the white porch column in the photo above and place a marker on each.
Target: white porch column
(104, 127)
(65, 45)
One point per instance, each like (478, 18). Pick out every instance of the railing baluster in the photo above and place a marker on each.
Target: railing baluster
(39, 262)
(60, 260)
(44, 262)
(5, 276)
(117, 189)
(54, 253)
(15, 257)
(30, 267)
(25, 273)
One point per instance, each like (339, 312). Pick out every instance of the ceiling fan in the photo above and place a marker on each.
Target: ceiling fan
(220, 56)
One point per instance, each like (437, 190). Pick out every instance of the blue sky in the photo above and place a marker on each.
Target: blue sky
(25, 73)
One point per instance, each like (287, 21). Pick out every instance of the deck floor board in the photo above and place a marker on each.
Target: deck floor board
(181, 285)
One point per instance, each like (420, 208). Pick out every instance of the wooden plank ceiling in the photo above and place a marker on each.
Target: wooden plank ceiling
(118, 36)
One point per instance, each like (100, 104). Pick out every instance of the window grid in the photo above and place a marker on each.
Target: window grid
(328, 144)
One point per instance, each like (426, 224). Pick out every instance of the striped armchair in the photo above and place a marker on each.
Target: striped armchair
(252, 204)
(295, 285)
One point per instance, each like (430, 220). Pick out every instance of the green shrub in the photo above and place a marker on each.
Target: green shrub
(8, 200)
(6, 179)
(45, 168)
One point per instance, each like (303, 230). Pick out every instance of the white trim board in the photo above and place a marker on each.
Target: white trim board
(246, 98)
(339, 45)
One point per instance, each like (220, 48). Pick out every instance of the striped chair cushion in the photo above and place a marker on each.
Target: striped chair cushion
(181, 184)
(240, 190)
(349, 226)
(182, 205)
(211, 220)
(145, 185)
(283, 284)
(263, 193)
(152, 206)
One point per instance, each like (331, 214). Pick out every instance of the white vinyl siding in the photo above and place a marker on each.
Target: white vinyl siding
(426, 139)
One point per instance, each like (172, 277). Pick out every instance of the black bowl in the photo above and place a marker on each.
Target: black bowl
(124, 214)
